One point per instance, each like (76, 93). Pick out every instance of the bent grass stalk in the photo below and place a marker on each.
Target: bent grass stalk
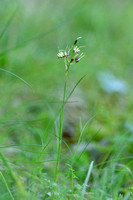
(71, 55)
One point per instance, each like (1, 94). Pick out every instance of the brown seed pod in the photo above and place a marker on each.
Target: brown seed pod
(72, 60)
(75, 42)
(77, 59)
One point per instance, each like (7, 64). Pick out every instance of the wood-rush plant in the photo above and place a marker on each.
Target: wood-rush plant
(70, 57)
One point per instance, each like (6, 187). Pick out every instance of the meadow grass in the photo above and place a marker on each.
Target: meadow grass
(39, 157)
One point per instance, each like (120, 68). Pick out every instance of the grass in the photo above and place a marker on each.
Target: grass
(6, 185)
(43, 156)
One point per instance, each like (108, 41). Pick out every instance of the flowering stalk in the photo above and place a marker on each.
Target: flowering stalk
(70, 56)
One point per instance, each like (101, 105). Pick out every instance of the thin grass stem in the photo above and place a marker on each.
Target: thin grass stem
(61, 128)
(86, 180)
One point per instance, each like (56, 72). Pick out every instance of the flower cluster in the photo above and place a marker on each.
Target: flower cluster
(71, 55)
(62, 54)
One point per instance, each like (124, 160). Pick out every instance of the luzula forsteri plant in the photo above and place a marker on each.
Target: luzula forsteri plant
(70, 56)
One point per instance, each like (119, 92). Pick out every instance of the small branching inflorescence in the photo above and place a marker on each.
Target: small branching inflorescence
(71, 55)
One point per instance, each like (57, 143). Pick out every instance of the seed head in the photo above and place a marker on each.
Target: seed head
(71, 55)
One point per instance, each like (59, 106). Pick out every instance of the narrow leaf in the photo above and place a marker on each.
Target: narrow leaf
(6, 185)
(8, 23)
(16, 76)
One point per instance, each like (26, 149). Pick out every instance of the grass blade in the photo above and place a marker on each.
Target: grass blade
(51, 123)
(86, 180)
(75, 87)
(82, 131)
(7, 165)
(16, 76)
(88, 144)
(8, 23)
(6, 185)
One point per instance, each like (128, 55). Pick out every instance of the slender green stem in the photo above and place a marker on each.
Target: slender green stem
(61, 128)
(72, 183)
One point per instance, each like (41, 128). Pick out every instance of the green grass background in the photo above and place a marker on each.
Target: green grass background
(31, 33)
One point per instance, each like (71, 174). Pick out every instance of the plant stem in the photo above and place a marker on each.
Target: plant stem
(86, 180)
(61, 128)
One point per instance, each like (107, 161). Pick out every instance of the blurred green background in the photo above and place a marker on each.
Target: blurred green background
(31, 34)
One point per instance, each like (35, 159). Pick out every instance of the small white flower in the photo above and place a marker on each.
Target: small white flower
(66, 54)
(60, 54)
(76, 49)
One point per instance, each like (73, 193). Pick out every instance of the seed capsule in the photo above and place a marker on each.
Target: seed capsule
(75, 42)
(77, 59)
(72, 60)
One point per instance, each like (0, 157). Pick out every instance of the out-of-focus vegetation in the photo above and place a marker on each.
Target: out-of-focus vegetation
(31, 33)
